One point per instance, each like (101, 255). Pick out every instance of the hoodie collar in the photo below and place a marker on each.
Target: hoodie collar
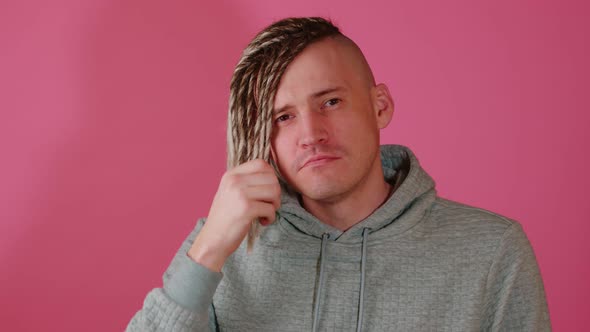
(400, 169)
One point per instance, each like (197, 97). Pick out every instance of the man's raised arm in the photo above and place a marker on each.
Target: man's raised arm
(247, 192)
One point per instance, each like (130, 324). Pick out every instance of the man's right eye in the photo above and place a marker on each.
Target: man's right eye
(282, 118)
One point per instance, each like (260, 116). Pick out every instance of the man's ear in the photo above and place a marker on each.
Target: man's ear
(383, 105)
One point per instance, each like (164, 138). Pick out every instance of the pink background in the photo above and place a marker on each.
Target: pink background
(112, 129)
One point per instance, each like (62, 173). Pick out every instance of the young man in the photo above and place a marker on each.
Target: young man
(355, 237)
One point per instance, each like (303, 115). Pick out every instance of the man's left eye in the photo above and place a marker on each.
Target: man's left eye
(332, 102)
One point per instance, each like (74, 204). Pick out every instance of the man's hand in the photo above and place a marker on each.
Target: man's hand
(249, 191)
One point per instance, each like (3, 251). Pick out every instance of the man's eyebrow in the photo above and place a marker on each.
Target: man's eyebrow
(327, 91)
(314, 95)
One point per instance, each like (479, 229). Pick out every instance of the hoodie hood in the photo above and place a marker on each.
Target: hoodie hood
(413, 193)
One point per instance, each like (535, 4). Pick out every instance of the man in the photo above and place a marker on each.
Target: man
(354, 236)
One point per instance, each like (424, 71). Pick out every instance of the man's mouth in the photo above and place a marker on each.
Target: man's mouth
(318, 160)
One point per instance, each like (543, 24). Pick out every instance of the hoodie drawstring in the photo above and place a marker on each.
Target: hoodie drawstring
(321, 284)
(359, 323)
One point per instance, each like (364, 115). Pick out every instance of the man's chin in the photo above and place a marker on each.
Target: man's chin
(321, 193)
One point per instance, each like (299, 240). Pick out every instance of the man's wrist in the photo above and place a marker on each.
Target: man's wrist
(205, 255)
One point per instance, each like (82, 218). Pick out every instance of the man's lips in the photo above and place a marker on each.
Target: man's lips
(318, 158)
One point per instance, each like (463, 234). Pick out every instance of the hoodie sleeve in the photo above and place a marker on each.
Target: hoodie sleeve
(515, 296)
(185, 303)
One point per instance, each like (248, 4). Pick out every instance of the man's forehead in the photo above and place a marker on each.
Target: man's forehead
(315, 70)
(322, 66)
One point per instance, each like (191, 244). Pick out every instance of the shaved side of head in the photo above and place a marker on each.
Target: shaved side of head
(356, 58)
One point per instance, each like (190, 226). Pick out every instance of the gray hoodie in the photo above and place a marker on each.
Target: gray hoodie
(418, 263)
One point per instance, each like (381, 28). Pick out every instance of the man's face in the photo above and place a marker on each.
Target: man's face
(326, 109)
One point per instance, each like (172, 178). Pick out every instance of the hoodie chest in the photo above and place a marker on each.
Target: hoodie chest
(276, 288)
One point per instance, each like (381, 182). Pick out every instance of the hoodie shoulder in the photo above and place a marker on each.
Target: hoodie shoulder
(469, 233)
(462, 218)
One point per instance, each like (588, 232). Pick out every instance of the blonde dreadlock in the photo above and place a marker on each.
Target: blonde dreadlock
(254, 85)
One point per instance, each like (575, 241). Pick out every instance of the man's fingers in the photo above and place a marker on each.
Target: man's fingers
(252, 166)
(269, 193)
(256, 179)
(266, 212)
(264, 221)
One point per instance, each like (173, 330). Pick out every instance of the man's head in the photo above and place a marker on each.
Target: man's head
(303, 91)
(256, 79)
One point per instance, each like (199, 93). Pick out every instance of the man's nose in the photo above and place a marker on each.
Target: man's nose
(312, 129)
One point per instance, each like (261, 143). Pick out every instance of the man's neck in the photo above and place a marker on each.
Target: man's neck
(353, 207)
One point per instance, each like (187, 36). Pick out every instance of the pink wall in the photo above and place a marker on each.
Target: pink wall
(112, 117)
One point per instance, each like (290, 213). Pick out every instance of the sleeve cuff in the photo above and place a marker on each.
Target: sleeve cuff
(192, 285)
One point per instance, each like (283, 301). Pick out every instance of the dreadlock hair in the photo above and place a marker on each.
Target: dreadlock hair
(254, 85)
